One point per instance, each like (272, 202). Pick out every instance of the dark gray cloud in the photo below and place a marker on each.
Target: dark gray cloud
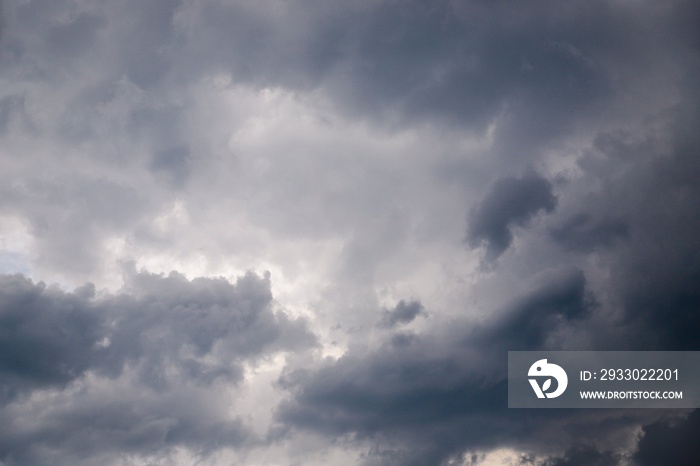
(535, 72)
(561, 299)
(581, 232)
(48, 337)
(653, 270)
(461, 63)
(403, 313)
(670, 442)
(581, 455)
(167, 341)
(70, 38)
(510, 202)
(412, 398)
(105, 427)
(339, 143)
(432, 397)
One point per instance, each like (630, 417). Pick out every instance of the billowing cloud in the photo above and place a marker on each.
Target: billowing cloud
(48, 337)
(430, 398)
(351, 149)
(139, 372)
(670, 442)
(510, 202)
(583, 455)
(531, 319)
(403, 313)
(580, 232)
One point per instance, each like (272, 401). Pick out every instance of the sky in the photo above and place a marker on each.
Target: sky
(307, 232)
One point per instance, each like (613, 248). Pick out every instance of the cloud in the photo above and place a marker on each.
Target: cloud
(69, 216)
(47, 336)
(403, 313)
(582, 455)
(350, 148)
(105, 425)
(510, 202)
(440, 394)
(10, 106)
(527, 323)
(580, 232)
(652, 185)
(461, 64)
(672, 443)
(141, 371)
(174, 164)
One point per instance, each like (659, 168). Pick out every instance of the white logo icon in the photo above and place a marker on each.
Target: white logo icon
(543, 369)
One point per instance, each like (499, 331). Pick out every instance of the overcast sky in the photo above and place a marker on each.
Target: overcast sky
(307, 232)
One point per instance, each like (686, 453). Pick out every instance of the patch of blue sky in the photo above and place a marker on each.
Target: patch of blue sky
(14, 262)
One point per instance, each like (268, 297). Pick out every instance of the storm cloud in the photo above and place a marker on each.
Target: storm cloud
(309, 232)
(403, 313)
(430, 398)
(165, 343)
(671, 442)
(510, 202)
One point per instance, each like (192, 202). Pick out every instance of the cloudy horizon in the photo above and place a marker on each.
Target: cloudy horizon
(291, 232)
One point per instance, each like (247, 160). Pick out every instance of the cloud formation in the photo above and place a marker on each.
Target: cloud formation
(672, 443)
(430, 398)
(132, 372)
(403, 313)
(510, 202)
(351, 149)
